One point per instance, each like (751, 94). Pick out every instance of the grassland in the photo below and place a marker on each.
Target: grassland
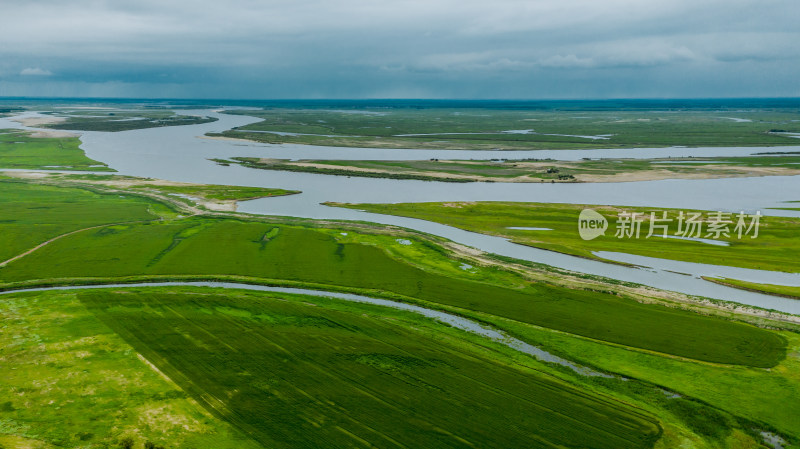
(789, 208)
(191, 368)
(219, 345)
(508, 129)
(31, 214)
(102, 120)
(311, 372)
(718, 360)
(603, 170)
(202, 191)
(67, 380)
(769, 397)
(775, 248)
(219, 192)
(20, 149)
(770, 289)
(269, 252)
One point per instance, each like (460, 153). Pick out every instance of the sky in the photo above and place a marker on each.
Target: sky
(460, 49)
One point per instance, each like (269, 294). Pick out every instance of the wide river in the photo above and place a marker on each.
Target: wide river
(181, 154)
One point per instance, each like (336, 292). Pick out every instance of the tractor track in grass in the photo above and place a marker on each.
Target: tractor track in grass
(43, 244)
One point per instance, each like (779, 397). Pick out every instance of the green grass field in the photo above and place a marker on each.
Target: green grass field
(67, 380)
(266, 251)
(604, 170)
(770, 289)
(770, 397)
(295, 371)
(31, 214)
(474, 128)
(207, 322)
(219, 192)
(775, 248)
(585, 322)
(123, 120)
(19, 150)
(201, 191)
(190, 368)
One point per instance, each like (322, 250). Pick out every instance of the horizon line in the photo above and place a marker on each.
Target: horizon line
(35, 98)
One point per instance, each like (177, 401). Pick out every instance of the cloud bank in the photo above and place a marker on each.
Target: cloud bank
(35, 72)
(404, 48)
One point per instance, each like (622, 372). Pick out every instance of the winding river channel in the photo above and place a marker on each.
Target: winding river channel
(180, 153)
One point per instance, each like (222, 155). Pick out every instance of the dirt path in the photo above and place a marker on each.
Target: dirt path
(20, 256)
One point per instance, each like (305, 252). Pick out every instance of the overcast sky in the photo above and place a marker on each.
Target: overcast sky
(522, 49)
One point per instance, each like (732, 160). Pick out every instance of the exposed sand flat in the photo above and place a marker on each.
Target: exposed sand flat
(38, 121)
(211, 204)
(26, 174)
(708, 173)
(654, 174)
(439, 175)
(53, 134)
(233, 139)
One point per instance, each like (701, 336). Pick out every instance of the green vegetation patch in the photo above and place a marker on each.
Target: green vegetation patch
(19, 150)
(767, 398)
(126, 121)
(770, 289)
(532, 170)
(218, 192)
(509, 129)
(445, 171)
(775, 248)
(197, 247)
(295, 371)
(68, 381)
(31, 214)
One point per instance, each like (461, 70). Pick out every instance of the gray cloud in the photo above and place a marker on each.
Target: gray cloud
(405, 48)
(31, 71)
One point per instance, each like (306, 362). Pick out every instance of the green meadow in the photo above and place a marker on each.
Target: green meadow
(123, 120)
(294, 371)
(342, 372)
(31, 214)
(602, 170)
(771, 289)
(446, 171)
(68, 380)
(203, 191)
(475, 128)
(265, 251)
(19, 150)
(218, 192)
(769, 397)
(243, 367)
(775, 248)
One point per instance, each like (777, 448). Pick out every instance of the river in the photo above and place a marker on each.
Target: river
(180, 154)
